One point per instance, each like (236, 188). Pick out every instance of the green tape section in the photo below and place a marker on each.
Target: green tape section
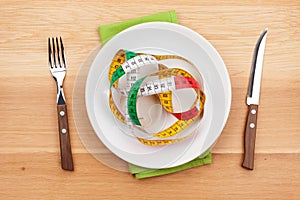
(116, 75)
(120, 72)
(131, 102)
(130, 54)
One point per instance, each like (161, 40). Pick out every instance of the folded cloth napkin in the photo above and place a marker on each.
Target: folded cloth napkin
(106, 33)
(141, 172)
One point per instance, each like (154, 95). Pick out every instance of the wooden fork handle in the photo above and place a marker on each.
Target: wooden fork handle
(64, 138)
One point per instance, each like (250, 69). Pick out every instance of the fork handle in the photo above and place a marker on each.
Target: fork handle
(64, 138)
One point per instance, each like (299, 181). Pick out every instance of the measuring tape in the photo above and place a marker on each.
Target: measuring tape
(146, 76)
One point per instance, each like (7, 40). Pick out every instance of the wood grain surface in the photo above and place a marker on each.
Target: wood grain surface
(29, 144)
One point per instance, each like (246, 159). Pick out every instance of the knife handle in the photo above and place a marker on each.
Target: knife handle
(250, 134)
(64, 138)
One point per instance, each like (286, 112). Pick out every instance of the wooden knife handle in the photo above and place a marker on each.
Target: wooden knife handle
(250, 134)
(64, 138)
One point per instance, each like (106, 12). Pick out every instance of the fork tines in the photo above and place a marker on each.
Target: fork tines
(56, 53)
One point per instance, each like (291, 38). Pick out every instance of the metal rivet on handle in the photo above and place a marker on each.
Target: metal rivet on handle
(252, 125)
(63, 131)
(62, 113)
(253, 111)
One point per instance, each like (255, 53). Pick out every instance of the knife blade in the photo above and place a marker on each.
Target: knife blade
(253, 101)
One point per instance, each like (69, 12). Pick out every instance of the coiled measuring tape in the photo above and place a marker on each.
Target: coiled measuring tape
(159, 80)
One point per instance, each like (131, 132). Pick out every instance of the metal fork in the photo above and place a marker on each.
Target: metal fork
(57, 65)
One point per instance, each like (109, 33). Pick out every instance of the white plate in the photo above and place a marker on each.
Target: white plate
(160, 38)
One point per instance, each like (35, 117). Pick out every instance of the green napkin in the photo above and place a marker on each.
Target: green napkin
(106, 33)
(141, 172)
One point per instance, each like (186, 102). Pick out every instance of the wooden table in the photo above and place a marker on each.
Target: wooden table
(29, 146)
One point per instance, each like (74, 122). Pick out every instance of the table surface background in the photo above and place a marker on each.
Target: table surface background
(29, 146)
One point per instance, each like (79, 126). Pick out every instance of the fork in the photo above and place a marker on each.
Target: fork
(57, 65)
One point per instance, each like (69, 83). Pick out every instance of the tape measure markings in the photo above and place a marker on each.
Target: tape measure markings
(126, 62)
(132, 97)
(130, 65)
(148, 89)
(158, 86)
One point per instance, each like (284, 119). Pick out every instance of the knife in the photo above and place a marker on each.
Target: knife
(253, 101)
